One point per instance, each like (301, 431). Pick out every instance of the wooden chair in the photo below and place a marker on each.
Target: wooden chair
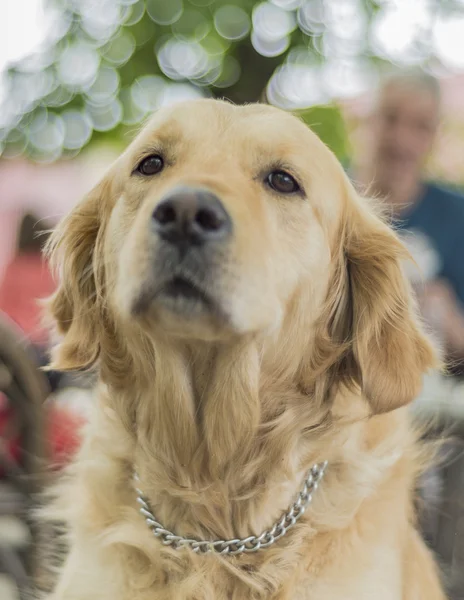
(26, 390)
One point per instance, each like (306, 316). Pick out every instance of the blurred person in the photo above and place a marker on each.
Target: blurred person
(402, 127)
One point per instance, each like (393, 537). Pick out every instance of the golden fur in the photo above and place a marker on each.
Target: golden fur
(315, 357)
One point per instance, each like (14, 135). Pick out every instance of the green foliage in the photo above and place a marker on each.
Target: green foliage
(328, 123)
(113, 61)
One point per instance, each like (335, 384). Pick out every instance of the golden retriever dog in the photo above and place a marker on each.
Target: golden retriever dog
(256, 345)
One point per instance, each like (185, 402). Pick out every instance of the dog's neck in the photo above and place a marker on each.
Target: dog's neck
(222, 444)
(222, 440)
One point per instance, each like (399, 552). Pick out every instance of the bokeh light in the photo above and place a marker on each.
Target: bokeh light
(105, 86)
(349, 78)
(104, 66)
(131, 112)
(107, 116)
(78, 66)
(179, 92)
(397, 30)
(77, 129)
(119, 49)
(164, 13)
(230, 73)
(47, 134)
(179, 59)
(312, 17)
(272, 26)
(100, 20)
(272, 22)
(269, 47)
(448, 39)
(146, 92)
(296, 86)
(232, 22)
(288, 4)
(135, 12)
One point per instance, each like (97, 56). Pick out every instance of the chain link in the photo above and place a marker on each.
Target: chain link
(237, 546)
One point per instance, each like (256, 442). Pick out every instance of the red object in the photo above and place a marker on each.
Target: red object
(63, 433)
(64, 429)
(27, 279)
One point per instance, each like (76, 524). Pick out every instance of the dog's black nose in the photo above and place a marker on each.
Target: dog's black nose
(191, 216)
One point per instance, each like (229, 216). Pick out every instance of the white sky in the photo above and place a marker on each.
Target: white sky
(22, 29)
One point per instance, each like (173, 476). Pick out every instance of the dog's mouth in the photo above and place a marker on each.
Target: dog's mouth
(179, 295)
(184, 290)
(185, 297)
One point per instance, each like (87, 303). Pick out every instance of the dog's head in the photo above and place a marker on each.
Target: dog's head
(221, 222)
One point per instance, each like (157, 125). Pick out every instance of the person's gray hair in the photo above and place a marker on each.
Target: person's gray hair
(415, 80)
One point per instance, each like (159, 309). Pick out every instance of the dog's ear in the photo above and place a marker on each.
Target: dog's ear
(385, 350)
(76, 306)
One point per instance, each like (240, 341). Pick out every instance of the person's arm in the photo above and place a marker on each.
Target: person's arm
(442, 300)
(442, 308)
(454, 271)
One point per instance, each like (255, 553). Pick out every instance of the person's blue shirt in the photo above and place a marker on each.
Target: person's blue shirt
(439, 217)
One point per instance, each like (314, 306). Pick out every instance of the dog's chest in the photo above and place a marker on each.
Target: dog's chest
(375, 574)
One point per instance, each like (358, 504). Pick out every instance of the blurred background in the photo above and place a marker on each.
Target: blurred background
(380, 81)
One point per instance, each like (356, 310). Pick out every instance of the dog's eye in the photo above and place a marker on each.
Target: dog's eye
(151, 165)
(282, 182)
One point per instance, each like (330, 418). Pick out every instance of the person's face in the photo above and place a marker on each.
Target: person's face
(404, 127)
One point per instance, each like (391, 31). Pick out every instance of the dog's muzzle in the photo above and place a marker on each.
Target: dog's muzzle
(191, 228)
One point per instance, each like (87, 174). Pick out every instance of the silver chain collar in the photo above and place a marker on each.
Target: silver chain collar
(237, 546)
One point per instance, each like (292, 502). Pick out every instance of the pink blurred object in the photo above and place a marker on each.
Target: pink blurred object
(27, 279)
(49, 191)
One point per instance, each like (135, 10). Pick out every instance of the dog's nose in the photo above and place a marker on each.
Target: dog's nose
(191, 216)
